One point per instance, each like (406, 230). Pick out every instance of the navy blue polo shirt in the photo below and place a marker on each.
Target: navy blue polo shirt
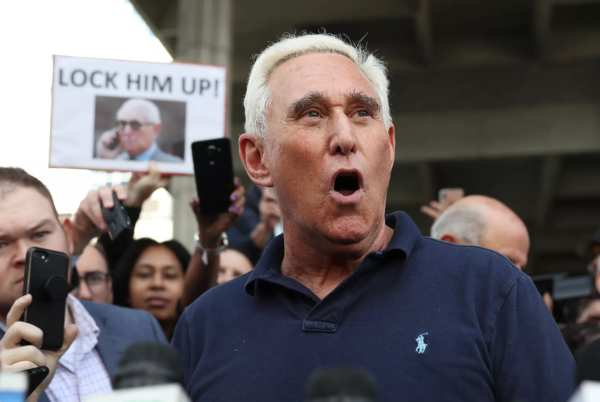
(430, 320)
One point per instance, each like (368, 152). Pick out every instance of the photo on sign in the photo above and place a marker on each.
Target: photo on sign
(139, 129)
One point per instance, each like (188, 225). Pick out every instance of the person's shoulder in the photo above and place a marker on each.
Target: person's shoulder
(115, 313)
(162, 156)
(141, 325)
(480, 267)
(222, 297)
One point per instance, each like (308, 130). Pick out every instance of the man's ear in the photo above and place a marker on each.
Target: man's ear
(392, 139)
(157, 129)
(68, 228)
(450, 238)
(252, 154)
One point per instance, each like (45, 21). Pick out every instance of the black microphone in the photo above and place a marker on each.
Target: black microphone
(146, 364)
(342, 384)
(588, 363)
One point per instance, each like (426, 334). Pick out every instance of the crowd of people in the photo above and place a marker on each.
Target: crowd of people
(344, 285)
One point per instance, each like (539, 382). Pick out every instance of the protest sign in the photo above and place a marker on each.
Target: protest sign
(118, 115)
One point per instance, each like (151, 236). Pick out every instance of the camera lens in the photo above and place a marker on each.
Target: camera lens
(41, 256)
(211, 150)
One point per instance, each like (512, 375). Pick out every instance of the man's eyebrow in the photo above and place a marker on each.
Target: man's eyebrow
(308, 99)
(363, 98)
(40, 224)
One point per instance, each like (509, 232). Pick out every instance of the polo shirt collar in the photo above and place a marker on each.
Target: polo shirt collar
(404, 241)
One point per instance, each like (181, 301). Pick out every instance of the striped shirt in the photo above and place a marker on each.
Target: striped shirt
(80, 370)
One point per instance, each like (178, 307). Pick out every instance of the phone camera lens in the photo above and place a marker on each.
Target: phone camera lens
(211, 150)
(41, 256)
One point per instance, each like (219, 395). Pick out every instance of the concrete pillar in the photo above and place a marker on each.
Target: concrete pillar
(204, 36)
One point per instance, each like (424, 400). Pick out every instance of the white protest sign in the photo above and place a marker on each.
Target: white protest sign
(118, 115)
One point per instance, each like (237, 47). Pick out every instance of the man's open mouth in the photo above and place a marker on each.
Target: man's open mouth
(346, 183)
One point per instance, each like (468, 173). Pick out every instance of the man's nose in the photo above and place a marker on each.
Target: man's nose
(21, 253)
(84, 292)
(343, 138)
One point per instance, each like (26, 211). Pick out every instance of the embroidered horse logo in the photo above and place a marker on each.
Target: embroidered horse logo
(421, 345)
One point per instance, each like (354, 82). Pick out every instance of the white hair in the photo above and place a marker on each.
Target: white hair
(258, 99)
(151, 110)
(463, 222)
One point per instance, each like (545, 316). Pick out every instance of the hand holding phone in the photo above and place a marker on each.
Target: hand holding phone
(213, 168)
(108, 145)
(46, 279)
(15, 357)
(117, 220)
(446, 197)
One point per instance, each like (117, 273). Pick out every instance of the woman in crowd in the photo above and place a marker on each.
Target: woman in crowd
(151, 277)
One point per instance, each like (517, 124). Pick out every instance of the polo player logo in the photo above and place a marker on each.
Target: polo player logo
(421, 345)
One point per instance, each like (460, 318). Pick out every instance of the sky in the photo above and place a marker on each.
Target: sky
(30, 33)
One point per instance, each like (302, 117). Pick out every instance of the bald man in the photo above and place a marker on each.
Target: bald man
(486, 222)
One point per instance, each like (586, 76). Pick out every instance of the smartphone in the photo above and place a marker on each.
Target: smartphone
(114, 143)
(36, 376)
(213, 167)
(117, 220)
(46, 279)
(449, 196)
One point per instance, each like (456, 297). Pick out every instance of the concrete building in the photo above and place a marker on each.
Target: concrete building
(500, 97)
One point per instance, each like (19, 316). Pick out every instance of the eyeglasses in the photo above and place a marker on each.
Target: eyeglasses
(97, 282)
(134, 124)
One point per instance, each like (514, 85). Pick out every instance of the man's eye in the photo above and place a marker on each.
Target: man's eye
(40, 235)
(313, 113)
(2, 245)
(363, 113)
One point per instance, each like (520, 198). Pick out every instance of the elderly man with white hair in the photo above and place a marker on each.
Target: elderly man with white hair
(346, 285)
(138, 126)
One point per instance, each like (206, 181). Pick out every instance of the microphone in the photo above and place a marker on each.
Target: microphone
(148, 363)
(147, 371)
(341, 384)
(13, 387)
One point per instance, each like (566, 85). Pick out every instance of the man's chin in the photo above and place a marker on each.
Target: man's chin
(347, 232)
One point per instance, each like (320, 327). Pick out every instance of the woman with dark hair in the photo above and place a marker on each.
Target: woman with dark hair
(150, 276)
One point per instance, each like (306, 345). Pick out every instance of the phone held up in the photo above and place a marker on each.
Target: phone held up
(117, 220)
(213, 167)
(46, 279)
(448, 196)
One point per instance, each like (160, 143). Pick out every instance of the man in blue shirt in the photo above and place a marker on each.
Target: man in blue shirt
(346, 285)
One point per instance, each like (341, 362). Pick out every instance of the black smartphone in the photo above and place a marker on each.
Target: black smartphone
(213, 168)
(114, 143)
(117, 220)
(36, 376)
(46, 279)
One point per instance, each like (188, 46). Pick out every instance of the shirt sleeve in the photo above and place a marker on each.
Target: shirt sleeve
(530, 359)
(181, 342)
